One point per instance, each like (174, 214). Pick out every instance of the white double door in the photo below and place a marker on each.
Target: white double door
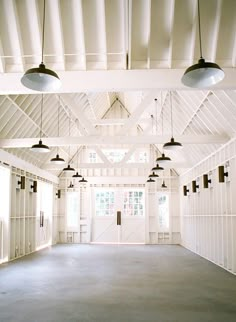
(104, 222)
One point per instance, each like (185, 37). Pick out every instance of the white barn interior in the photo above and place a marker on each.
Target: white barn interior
(121, 99)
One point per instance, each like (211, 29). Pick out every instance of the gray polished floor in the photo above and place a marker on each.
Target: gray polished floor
(116, 284)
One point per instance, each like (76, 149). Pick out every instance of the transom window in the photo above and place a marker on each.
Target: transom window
(114, 155)
(104, 203)
(92, 157)
(134, 203)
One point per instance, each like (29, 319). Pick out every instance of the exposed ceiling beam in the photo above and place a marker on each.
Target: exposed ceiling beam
(113, 140)
(113, 80)
(135, 116)
(80, 115)
(118, 165)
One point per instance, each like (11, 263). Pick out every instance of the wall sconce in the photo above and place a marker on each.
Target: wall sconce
(34, 186)
(58, 194)
(21, 182)
(195, 186)
(206, 181)
(222, 173)
(186, 190)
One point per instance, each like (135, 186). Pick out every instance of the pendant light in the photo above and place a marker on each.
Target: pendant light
(68, 168)
(203, 74)
(40, 147)
(172, 145)
(71, 186)
(157, 168)
(150, 180)
(41, 78)
(163, 184)
(77, 175)
(83, 180)
(57, 159)
(153, 175)
(163, 157)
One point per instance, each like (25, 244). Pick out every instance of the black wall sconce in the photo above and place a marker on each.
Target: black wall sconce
(186, 190)
(118, 218)
(34, 186)
(222, 173)
(21, 182)
(195, 186)
(58, 194)
(206, 181)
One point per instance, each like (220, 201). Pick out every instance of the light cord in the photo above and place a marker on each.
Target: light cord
(199, 29)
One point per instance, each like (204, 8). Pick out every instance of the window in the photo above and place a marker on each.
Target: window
(163, 211)
(45, 199)
(115, 155)
(4, 213)
(4, 192)
(134, 203)
(104, 203)
(92, 157)
(143, 157)
(72, 209)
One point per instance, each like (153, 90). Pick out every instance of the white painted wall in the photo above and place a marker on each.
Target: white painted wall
(208, 217)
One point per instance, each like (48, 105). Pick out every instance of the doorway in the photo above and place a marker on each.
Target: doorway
(130, 202)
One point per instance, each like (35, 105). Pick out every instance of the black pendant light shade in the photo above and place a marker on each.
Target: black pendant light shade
(57, 160)
(41, 78)
(77, 175)
(153, 175)
(203, 74)
(40, 147)
(163, 159)
(83, 180)
(172, 145)
(163, 184)
(68, 168)
(150, 180)
(70, 185)
(157, 168)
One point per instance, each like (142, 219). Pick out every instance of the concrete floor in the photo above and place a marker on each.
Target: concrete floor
(71, 283)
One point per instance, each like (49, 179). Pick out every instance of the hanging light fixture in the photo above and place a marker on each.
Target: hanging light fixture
(40, 147)
(57, 159)
(163, 184)
(163, 157)
(83, 180)
(71, 186)
(157, 168)
(41, 78)
(153, 175)
(172, 145)
(77, 175)
(68, 168)
(203, 74)
(150, 180)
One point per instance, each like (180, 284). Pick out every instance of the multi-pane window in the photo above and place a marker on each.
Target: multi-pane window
(163, 211)
(72, 207)
(143, 157)
(104, 203)
(134, 203)
(92, 157)
(115, 155)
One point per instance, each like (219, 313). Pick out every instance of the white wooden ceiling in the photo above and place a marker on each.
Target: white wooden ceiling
(104, 50)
